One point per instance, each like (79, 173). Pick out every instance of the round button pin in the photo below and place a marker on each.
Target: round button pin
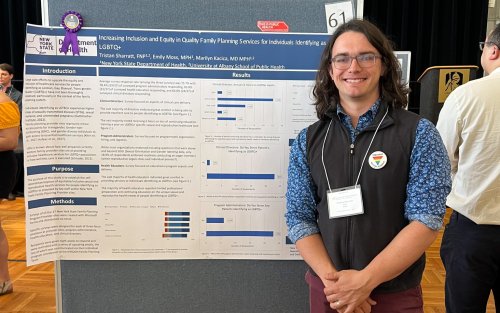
(377, 160)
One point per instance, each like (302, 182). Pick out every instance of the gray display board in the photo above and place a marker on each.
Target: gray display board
(211, 286)
(227, 15)
(183, 286)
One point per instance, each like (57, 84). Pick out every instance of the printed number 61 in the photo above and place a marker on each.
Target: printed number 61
(332, 20)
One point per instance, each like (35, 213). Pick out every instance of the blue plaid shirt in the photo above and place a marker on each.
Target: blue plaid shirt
(428, 186)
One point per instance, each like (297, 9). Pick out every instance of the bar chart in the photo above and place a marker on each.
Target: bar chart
(242, 168)
(243, 226)
(249, 105)
(177, 224)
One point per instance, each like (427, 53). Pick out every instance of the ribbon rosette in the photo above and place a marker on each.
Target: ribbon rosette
(72, 22)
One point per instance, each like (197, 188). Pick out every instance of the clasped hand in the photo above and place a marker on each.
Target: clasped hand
(348, 292)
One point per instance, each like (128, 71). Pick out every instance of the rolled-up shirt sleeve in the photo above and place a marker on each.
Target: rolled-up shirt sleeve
(301, 217)
(429, 180)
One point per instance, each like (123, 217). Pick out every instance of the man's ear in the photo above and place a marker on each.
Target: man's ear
(495, 53)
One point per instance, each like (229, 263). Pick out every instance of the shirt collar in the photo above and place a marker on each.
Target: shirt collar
(496, 71)
(369, 115)
(6, 87)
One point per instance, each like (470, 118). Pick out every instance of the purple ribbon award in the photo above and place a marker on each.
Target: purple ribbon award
(72, 22)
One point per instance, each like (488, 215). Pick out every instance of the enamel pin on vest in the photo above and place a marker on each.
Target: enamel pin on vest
(377, 160)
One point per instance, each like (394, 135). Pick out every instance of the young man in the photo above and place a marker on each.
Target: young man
(469, 124)
(6, 76)
(367, 183)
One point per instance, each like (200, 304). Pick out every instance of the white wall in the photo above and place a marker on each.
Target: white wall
(493, 15)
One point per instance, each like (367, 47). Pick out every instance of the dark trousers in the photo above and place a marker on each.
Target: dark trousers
(8, 170)
(18, 189)
(408, 301)
(471, 257)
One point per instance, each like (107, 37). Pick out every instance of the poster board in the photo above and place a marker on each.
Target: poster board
(187, 285)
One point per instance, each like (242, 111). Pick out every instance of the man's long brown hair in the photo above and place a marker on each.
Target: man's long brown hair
(392, 89)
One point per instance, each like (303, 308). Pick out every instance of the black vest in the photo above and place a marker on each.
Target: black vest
(352, 242)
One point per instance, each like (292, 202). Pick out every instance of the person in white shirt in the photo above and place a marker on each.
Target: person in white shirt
(469, 124)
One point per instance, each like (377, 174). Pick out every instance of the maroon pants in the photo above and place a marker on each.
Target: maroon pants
(408, 301)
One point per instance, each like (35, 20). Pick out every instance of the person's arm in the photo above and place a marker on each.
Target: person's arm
(302, 220)
(9, 123)
(406, 248)
(313, 251)
(449, 126)
(429, 184)
(353, 287)
(301, 210)
(8, 138)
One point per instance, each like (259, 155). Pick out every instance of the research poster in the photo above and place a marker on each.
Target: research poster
(162, 144)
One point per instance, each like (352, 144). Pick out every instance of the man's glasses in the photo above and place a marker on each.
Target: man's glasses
(343, 62)
(482, 44)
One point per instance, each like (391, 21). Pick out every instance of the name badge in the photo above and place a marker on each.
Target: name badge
(345, 201)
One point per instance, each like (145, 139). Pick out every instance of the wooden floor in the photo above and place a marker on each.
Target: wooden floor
(34, 287)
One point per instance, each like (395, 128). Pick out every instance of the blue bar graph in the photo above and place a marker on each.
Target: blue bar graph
(177, 213)
(177, 230)
(215, 220)
(239, 176)
(239, 233)
(246, 99)
(175, 235)
(231, 106)
(177, 219)
(251, 110)
(176, 224)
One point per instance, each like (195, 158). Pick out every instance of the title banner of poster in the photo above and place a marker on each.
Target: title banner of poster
(157, 144)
